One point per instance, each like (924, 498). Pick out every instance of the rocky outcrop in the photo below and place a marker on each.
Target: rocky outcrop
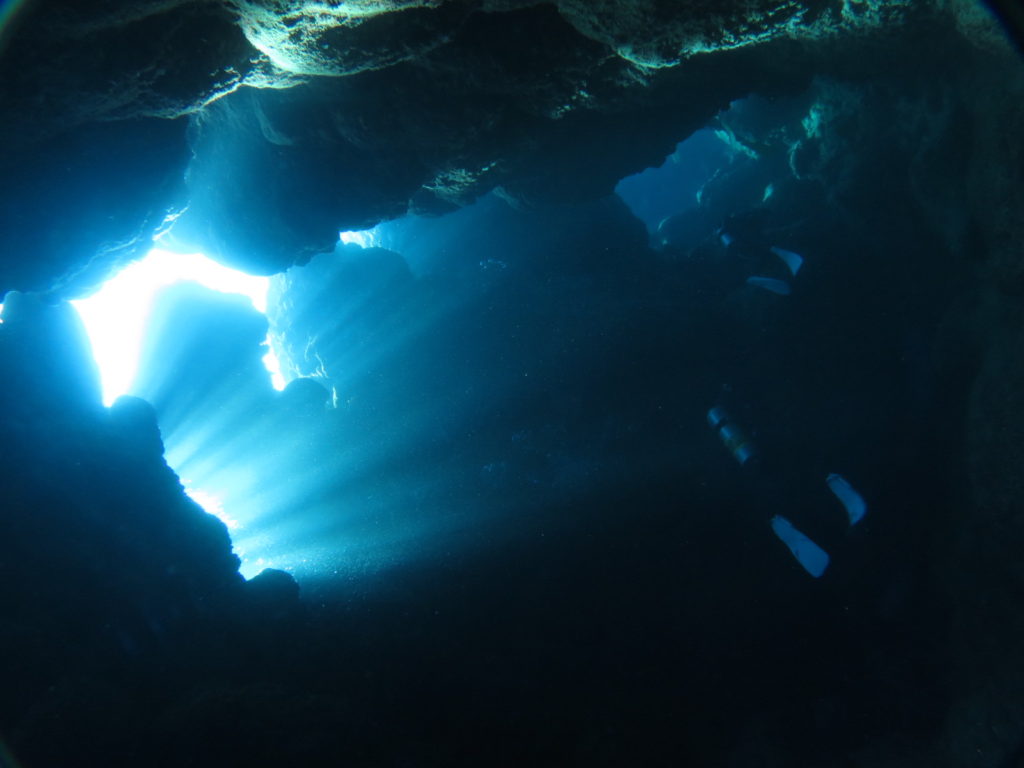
(93, 156)
(109, 566)
(947, 166)
(310, 118)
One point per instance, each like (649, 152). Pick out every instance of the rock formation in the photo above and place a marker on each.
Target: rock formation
(306, 120)
(537, 364)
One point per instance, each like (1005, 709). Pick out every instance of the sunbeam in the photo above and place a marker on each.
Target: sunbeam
(115, 315)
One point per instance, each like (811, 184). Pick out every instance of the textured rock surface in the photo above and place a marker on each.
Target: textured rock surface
(348, 38)
(386, 105)
(92, 156)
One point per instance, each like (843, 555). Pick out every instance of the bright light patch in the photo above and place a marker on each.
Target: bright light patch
(115, 316)
(212, 504)
(273, 364)
(249, 567)
(365, 238)
(253, 567)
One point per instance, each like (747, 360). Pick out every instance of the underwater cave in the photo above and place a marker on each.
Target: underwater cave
(520, 382)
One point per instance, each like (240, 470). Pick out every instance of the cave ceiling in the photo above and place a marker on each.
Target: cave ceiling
(260, 128)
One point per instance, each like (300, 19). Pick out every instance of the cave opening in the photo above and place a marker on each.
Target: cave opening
(116, 316)
(464, 355)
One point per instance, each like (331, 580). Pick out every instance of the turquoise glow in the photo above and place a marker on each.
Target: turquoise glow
(115, 316)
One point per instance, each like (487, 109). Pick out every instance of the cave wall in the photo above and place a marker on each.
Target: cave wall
(943, 177)
(120, 590)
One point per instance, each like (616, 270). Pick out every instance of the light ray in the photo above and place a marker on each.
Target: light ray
(115, 315)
